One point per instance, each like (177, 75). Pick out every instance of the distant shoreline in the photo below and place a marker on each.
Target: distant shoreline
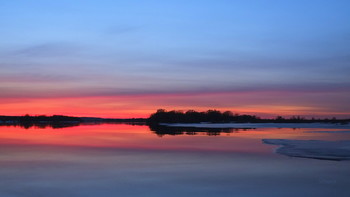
(64, 118)
(60, 121)
(215, 116)
(258, 125)
(162, 116)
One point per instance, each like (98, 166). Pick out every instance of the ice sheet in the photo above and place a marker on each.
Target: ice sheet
(317, 149)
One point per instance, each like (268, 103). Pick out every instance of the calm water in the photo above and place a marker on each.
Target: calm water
(125, 160)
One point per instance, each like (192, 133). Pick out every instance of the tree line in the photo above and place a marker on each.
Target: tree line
(28, 118)
(215, 116)
(42, 121)
(192, 116)
(60, 121)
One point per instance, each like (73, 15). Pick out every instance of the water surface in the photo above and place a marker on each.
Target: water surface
(125, 160)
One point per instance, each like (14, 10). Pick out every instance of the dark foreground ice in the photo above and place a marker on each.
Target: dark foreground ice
(317, 149)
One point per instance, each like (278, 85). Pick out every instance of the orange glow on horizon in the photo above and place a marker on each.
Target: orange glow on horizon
(141, 106)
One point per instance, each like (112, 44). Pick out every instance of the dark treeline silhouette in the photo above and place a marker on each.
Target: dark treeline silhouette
(161, 130)
(60, 121)
(161, 116)
(191, 116)
(215, 116)
(27, 121)
(299, 119)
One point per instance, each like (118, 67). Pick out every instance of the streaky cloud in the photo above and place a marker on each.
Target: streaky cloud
(50, 49)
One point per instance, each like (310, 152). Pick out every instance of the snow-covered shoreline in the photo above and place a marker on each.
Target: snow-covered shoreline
(259, 125)
(316, 149)
(332, 132)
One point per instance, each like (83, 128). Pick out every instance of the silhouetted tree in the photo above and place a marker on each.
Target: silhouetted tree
(191, 116)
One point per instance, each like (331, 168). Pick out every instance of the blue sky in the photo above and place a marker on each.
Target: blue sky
(58, 49)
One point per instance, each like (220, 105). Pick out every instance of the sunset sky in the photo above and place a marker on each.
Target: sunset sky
(112, 58)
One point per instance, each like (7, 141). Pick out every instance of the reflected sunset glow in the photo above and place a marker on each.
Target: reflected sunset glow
(123, 136)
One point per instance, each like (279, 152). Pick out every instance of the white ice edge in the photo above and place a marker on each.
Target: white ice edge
(327, 132)
(259, 125)
(316, 149)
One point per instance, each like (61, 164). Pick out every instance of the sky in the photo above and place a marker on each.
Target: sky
(112, 58)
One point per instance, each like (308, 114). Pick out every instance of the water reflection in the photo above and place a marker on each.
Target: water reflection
(161, 130)
(126, 136)
(42, 125)
(122, 160)
(61, 124)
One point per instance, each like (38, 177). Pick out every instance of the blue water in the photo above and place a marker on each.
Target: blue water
(136, 162)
